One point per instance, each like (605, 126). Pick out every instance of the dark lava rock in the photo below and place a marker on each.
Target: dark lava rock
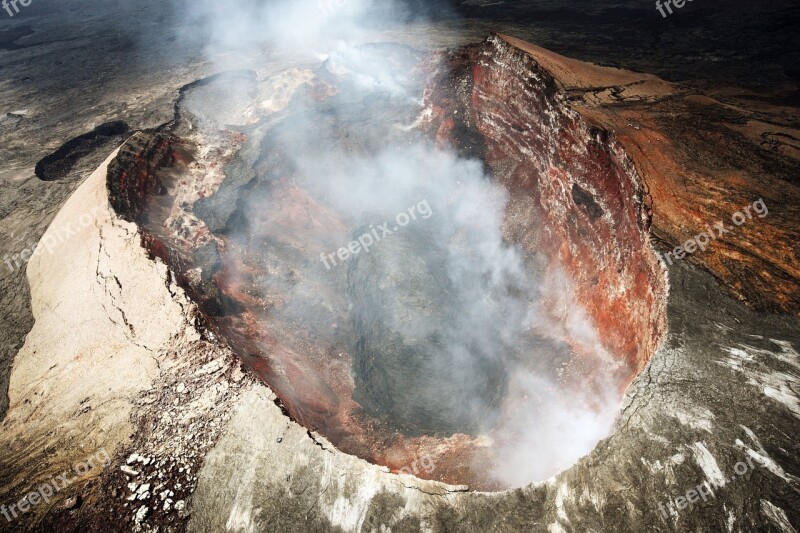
(58, 164)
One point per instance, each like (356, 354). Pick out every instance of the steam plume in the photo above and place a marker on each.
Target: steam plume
(495, 297)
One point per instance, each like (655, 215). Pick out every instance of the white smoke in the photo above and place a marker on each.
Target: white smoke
(312, 27)
(554, 426)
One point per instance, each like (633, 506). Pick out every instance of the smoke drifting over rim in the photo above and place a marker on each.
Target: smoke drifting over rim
(306, 26)
(480, 328)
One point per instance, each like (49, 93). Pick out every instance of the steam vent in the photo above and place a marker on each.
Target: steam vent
(452, 285)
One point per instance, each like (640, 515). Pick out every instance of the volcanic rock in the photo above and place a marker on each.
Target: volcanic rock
(717, 392)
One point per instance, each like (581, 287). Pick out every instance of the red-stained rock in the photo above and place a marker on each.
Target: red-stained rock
(133, 175)
(590, 204)
(702, 159)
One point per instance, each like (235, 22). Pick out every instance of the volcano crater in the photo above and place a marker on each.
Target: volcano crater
(514, 306)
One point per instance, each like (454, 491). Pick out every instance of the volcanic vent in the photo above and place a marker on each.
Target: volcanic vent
(425, 256)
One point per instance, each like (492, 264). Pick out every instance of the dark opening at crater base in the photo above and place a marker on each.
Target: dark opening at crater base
(413, 364)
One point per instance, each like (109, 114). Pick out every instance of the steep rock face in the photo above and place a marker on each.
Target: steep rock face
(133, 177)
(706, 158)
(593, 201)
(591, 207)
